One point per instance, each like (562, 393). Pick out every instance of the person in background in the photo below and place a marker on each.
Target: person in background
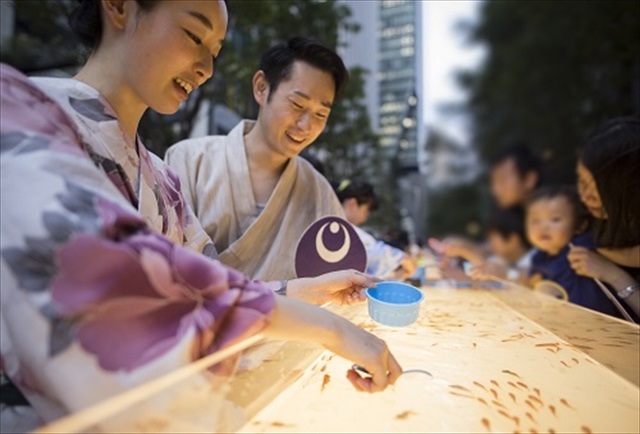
(608, 172)
(555, 221)
(515, 173)
(252, 192)
(107, 277)
(510, 250)
(358, 199)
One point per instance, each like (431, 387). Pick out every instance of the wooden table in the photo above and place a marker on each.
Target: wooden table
(502, 361)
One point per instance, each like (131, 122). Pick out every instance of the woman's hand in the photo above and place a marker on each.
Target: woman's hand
(588, 263)
(295, 320)
(370, 352)
(591, 264)
(341, 287)
(489, 271)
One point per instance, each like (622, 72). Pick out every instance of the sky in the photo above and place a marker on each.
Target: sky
(446, 52)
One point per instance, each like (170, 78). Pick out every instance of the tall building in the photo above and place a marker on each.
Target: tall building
(6, 19)
(402, 132)
(400, 78)
(360, 49)
(389, 46)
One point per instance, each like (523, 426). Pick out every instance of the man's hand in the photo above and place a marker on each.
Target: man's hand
(489, 271)
(469, 250)
(341, 287)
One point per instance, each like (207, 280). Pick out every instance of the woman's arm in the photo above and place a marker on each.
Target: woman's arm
(591, 264)
(90, 294)
(627, 256)
(295, 320)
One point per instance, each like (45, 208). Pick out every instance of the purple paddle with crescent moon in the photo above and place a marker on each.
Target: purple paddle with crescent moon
(329, 244)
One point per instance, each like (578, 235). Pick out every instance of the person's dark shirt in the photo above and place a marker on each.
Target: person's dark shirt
(581, 290)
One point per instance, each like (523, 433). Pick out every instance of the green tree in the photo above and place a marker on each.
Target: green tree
(554, 70)
(254, 26)
(446, 216)
(42, 39)
(348, 138)
(457, 204)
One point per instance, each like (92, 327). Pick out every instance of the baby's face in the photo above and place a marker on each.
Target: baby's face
(550, 224)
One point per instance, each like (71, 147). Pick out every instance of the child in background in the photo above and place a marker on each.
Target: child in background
(514, 174)
(358, 198)
(555, 218)
(510, 250)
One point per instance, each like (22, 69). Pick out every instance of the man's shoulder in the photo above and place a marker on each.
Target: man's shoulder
(308, 173)
(200, 147)
(195, 147)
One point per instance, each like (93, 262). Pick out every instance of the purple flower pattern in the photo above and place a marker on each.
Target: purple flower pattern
(125, 293)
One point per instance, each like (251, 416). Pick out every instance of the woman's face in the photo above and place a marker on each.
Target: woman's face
(588, 191)
(169, 51)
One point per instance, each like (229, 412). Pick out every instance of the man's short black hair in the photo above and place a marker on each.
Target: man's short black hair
(525, 160)
(277, 62)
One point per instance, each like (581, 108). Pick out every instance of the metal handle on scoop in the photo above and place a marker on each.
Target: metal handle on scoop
(363, 370)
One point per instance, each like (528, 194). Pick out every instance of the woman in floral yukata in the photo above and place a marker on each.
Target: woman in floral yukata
(106, 276)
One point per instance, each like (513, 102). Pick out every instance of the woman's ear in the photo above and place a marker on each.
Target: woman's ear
(116, 12)
(260, 88)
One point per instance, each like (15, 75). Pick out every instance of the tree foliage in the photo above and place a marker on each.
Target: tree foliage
(554, 70)
(43, 41)
(446, 216)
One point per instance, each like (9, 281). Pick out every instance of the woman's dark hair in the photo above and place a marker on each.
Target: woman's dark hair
(612, 154)
(86, 20)
(277, 62)
(361, 191)
(581, 216)
(506, 222)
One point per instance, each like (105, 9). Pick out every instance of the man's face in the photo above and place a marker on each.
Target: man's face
(295, 114)
(507, 186)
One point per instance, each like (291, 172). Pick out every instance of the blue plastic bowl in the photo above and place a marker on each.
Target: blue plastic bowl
(394, 304)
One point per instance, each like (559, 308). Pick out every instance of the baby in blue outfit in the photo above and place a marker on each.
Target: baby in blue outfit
(555, 219)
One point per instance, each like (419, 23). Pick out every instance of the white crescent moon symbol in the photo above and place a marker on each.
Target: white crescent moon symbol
(332, 256)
